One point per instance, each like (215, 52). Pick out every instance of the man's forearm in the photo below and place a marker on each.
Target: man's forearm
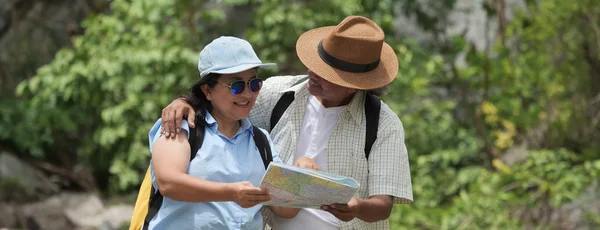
(375, 208)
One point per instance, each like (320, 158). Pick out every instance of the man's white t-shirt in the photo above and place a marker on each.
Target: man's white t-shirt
(318, 124)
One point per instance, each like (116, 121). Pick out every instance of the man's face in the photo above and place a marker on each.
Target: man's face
(326, 91)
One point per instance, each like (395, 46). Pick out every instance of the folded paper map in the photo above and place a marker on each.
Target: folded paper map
(291, 186)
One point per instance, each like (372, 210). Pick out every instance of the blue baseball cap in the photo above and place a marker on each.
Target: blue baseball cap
(227, 55)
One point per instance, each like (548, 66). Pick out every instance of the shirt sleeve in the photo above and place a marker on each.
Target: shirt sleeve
(389, 172)
(154, 134)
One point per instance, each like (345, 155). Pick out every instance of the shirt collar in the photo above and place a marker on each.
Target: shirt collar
(210, 120)
(246, 125)
(212, 123)
(298, 85)
(356, 106)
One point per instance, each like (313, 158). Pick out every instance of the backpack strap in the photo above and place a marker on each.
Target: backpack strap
(284, 102)
(196, 139)
(372, 109)
(262, 143)
(153, 206)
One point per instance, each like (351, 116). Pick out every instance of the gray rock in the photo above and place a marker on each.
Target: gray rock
(90, 213)
(47, 214)
(467, 16)
(84, 210)
(515, 154)
(19, 181)
(115, 216)
(75, 211)
(32, 31)
(8, 216)
(11, 168)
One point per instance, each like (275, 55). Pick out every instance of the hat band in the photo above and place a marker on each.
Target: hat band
(343, 65)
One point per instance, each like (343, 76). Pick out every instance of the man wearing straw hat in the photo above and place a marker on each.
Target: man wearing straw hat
(325, 123)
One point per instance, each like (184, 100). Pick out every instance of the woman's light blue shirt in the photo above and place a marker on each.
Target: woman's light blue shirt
(220, 159)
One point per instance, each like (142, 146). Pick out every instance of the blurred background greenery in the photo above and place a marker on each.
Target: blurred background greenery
(500, 100)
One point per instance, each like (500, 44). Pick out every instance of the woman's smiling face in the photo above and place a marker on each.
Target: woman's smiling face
(228, 106)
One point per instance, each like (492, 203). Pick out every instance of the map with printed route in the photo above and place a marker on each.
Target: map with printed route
(291, 186)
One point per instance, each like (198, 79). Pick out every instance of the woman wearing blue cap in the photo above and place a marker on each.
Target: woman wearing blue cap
(217, 189)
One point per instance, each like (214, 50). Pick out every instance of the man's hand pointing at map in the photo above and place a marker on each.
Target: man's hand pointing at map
(305, 162)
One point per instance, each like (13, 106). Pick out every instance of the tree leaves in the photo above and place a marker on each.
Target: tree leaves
(129, 58)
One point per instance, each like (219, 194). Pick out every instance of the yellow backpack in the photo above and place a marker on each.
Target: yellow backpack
(149, 199)
(141, 203)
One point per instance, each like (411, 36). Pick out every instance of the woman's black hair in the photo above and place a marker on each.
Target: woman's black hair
(197, 99)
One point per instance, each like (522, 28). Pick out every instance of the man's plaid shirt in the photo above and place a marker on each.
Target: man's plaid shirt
(386, 172)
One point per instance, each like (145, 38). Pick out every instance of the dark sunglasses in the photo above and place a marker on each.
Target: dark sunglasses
(238, 87)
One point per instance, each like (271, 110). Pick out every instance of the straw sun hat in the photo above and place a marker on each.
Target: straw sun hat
(351, 54)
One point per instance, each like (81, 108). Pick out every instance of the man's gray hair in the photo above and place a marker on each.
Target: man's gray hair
(380, 91)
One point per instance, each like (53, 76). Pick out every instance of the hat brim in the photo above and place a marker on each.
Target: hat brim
(240, 68)
(384, 74)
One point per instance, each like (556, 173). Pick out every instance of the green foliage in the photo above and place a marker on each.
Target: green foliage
(101, 97)
(459, 119)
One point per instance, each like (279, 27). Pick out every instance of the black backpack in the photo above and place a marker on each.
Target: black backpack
(196, 139)
(372, 109)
